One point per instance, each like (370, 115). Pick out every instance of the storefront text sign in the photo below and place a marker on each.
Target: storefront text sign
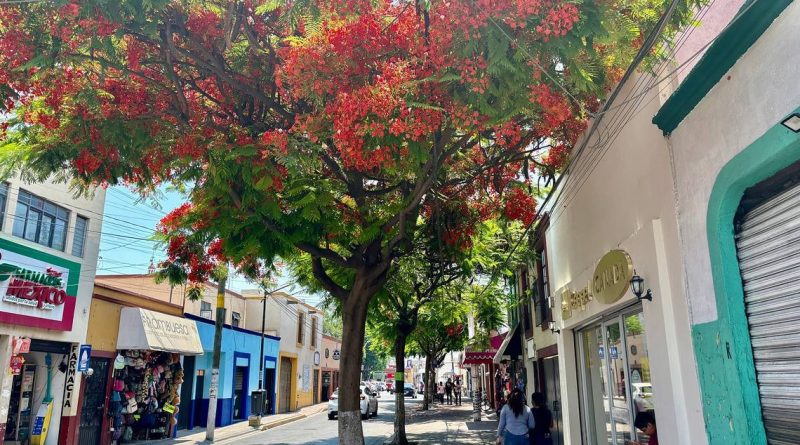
(142, 329)
(609, 283)
(71, 384)
(36, 289)
(612, 276)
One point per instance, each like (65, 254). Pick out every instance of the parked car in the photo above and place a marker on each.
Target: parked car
(369, 404)
(642, 396)
(381, 386)
(409, 391)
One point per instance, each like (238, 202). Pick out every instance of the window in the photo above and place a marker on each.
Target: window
(301, 324)
(525, 302)
(236, 318)
(3, 199)
(313, 332)
(205, 309)
(79, 240)
(542, 301)
(40, 221)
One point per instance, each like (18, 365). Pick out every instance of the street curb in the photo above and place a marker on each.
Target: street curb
(281, 422)
(266, 427)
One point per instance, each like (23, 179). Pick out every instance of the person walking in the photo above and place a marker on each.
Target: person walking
(448, 389)
(440, 392)
(458, 389)
(540, 434)
(515, 422)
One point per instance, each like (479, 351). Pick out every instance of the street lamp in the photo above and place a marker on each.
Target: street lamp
(637, 286)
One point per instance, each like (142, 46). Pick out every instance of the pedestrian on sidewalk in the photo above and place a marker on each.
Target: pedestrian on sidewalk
(646, 422)
(458, 388)
(515, 422)
(440, 392)
(448, 389)
(540, 434)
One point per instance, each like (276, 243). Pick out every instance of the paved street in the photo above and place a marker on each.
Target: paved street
(318, 430)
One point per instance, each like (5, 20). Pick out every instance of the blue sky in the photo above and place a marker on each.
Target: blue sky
(128, 224)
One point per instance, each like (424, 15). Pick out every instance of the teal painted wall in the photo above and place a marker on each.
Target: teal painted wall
(722, 347)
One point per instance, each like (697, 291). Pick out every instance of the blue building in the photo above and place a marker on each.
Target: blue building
(238, 375)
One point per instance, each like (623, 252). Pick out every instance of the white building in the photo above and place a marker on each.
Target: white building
(734, 136)
(48, 254)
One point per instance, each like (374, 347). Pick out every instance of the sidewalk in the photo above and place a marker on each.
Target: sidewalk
(240, 429)
(449, 424)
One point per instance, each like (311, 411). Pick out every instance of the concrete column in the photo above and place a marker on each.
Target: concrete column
(5, 382)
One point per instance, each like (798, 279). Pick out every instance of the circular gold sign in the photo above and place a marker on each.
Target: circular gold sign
(612, 276)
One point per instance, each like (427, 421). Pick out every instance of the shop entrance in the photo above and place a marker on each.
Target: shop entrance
(615, 379)
(326, 385)
(284, 405)
(316, 386)
(552, 394)
(240, 393)
(269, 385)
(94, 407)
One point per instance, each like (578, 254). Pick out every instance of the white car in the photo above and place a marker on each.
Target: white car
(369, 404)
(642, 396)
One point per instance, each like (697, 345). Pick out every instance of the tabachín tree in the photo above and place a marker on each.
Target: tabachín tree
(320, 126)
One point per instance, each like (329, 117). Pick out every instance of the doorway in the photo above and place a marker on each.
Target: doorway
(552, 394)
(269, 385)
(315, 397)
(240, 393)
(200, 414)
(94, 404)
(284, 404)
(186, 394)
(615, 379)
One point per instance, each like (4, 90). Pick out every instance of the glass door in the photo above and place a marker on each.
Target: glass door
(615, 379)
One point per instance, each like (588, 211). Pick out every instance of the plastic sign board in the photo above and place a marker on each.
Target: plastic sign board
(36, 289)
(336, 354)
(83, 358)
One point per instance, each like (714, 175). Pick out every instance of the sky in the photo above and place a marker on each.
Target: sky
(126, 246)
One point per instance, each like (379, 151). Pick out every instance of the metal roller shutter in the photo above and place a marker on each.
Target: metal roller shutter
(768, 247)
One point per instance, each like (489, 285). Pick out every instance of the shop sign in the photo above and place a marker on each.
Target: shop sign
(609, 283)
(336, 354)
(36, 289)
(612, 276)
(316, 358)
(16, 364)
(70, 387)
(85, 354)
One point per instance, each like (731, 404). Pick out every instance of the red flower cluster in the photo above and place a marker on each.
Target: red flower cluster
(520, 206)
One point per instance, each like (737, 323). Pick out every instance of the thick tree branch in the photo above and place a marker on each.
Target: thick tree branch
(318, 269)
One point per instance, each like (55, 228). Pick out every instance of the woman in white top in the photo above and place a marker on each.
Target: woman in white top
(515, 421)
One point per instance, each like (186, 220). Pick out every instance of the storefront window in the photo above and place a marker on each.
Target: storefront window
(614, 351)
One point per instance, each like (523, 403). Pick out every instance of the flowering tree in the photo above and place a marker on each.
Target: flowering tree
(329, 127)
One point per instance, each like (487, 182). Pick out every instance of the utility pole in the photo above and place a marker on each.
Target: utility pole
(212, 391)
(261, 355)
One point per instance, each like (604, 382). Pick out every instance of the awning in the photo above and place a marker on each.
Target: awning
(479, 358)
(486, 356)
(141, 329)
(512, 346)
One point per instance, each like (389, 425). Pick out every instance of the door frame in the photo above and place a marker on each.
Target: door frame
(245, 402)
(105, 425)
(602, 322)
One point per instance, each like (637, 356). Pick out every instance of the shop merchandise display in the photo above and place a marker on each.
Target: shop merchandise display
(145, 396)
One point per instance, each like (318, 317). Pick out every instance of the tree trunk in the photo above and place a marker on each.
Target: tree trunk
(354, 316)
(399, 396)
